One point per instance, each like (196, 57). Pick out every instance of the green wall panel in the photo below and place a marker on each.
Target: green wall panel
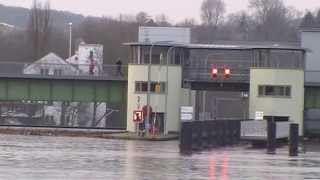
(3, 90)
(84, 91)
(102, 91)
(116, 93)
(62, 90)
(40, 90)
(18, 89)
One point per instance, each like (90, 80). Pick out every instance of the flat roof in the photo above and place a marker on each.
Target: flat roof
(224, 46)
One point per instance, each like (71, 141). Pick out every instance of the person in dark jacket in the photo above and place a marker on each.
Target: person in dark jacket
(119, 67)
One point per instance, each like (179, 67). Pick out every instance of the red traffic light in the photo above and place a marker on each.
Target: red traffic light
(227, 72)
(214, 72)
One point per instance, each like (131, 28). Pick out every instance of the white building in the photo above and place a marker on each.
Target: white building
(179, 74)
(88, 56)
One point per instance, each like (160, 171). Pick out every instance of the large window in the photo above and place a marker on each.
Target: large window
(275, 91)
(155, 87)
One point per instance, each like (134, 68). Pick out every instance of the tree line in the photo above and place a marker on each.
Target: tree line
(264, 20)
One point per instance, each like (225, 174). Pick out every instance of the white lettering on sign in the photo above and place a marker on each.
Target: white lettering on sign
(259, 115)
(187, 109)
(186, 113)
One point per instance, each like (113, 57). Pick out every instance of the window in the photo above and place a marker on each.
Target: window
(44, 71)
(57, 72)
(142, 87)
(274, 91)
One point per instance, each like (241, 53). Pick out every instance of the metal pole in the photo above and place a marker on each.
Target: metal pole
(167, 91)
(70, 39)
(149, 88)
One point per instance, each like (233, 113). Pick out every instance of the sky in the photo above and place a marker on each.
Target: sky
(176, 10)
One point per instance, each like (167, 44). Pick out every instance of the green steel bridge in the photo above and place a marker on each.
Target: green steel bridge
(107, 85)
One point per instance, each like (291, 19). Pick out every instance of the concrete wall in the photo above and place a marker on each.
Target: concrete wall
(275, 106)
(157, 101)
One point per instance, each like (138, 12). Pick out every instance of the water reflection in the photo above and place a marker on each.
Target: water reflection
(32, 157)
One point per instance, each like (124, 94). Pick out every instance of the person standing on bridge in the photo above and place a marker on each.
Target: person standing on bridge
(119, 67)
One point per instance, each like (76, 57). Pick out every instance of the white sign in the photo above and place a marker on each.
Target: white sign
(187, 109)
(186, 113)
(186, 117)
(259, 115)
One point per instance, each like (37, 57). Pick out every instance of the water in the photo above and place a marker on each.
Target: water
(33, 157)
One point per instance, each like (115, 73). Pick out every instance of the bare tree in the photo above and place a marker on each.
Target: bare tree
(272, 18)
(308, 20)
(142, 18)
(187, 22)
(212, 12)
(162, 20)
(318, 18)
(39, 28)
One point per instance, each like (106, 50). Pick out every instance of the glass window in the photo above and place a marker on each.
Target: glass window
(274, 91)
(155, 87)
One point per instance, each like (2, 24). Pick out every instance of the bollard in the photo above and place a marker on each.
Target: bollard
(228, 133)
(196, 136)
(233, 132)
(294, 140)
(205, 134)
(210, 128)
(186, 138)
(219, 133)
(215, 134)
(238, 131)
(271, 137)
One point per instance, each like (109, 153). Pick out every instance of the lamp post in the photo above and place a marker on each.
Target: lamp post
(70, 39)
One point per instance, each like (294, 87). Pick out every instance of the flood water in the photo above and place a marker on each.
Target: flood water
(33, 157)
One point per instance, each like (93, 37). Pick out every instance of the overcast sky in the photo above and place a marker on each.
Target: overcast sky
(176, 10)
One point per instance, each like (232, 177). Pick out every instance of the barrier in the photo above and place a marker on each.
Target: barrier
(200, 135)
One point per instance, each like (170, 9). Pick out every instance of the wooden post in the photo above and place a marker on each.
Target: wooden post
(271, 138)
(294, 140)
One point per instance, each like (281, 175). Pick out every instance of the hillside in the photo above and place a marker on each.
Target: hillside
(18, 16)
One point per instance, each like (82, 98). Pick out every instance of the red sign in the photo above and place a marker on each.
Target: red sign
(138, 116)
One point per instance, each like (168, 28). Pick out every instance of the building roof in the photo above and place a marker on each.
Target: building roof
(310, 29)
(225, 45)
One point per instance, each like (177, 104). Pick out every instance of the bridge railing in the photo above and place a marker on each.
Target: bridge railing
(63, 70)
(257, 130)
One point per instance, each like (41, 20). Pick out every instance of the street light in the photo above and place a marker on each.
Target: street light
(70, 39)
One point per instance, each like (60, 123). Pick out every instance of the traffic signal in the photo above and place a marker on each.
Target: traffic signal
(227, 72)
(214, 72)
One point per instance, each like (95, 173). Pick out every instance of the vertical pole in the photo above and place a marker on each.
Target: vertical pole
(148, 93)
(271, 139)
(93, 123)
(70, 39)
(294, 140)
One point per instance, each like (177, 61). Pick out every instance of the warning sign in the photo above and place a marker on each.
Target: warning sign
(138, 116)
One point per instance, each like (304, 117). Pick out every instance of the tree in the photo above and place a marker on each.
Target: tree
(272, 18)
(308, 20)
(212, 12)
(39, 28)
(188, 22)
(142, 18)
(162, 20)
(318, 18)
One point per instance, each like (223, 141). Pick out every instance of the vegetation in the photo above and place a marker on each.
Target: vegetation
(37, 34)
